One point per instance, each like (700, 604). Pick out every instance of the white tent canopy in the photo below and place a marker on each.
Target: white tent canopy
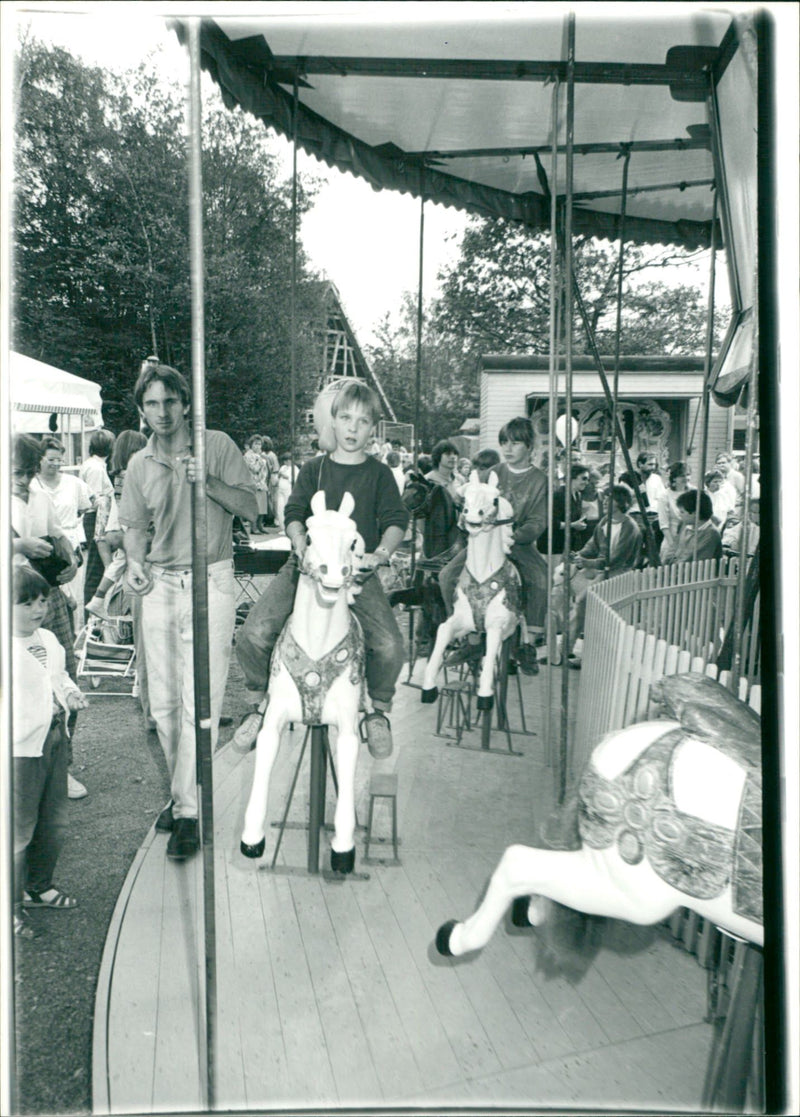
(38, 389)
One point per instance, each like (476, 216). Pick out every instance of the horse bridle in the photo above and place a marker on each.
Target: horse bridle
(490, 522)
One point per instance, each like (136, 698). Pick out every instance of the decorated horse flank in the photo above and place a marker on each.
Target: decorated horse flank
(317, 673)
(488, 595)
(667, 815)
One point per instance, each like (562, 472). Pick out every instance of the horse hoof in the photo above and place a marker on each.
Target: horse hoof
(485, 701)
(253, 851)
(429, 696)
(343, 862)
(519, 912)
(443, 938)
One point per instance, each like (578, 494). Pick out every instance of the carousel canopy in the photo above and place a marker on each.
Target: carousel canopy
(37, 388)
(456, 103)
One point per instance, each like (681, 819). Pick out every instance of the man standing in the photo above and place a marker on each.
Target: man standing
(157, 490)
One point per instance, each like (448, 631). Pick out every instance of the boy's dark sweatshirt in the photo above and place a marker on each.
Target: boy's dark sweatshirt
(371, 484)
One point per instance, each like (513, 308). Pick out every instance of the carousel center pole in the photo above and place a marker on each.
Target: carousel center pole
(568, 330)
(555, 312)
(199, 558)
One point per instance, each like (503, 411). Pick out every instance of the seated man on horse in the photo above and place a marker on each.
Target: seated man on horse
(381, 519)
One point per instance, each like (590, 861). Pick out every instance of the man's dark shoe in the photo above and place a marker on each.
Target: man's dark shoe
(165, 821)
(184, 840)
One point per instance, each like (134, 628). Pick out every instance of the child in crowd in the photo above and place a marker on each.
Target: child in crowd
(287, 475)
(706, 542)
(42, 694)
(592, 563)
(484, 462)
(381, 518)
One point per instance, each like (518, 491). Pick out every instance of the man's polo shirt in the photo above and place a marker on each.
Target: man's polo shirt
(156, 491)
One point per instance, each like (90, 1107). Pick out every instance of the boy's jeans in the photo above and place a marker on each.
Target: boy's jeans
(383, 643)
(168, 648)
(40, 812)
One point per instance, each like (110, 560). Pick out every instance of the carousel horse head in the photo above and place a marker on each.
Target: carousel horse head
(417, 495)
(335, 547)
(485, 509)
(666, 815)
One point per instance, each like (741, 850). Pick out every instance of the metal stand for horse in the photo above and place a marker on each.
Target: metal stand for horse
(457, 699)
(321, 757)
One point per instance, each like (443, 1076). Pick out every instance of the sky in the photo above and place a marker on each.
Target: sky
(365, 241)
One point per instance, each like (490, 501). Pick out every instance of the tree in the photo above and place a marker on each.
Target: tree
(101, 271)
(496, 299)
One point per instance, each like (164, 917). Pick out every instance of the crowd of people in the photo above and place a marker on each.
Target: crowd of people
(121, 526)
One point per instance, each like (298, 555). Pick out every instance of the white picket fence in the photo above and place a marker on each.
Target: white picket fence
(645, 624)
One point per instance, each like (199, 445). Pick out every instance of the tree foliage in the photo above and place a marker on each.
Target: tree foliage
(101, 243)
(495, 298)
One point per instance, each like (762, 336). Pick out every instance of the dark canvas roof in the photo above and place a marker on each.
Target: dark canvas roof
(461, 105)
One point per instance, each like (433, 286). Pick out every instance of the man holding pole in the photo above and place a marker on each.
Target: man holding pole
(157, 490)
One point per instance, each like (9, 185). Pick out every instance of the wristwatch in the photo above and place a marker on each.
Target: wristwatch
(385, 556)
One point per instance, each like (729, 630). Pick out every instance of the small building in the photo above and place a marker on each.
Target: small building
(658, 405)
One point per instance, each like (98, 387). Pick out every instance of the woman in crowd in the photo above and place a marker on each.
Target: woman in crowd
(669, 519)
(259, 470)
(578, 535)
(273, 469)
(71, 497)
(723, 498)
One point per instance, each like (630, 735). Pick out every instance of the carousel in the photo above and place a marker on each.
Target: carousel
(339, 944)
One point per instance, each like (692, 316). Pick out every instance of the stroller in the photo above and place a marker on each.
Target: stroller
(104, 646)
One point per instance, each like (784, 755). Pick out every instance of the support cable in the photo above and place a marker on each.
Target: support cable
(617, 346)
(650, 542)
(202, 703)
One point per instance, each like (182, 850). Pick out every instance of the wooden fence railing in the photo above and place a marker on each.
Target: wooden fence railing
(645, 624)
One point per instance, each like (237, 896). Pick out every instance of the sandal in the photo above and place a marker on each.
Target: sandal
(377, 732)
(23, 929)
(52, 898)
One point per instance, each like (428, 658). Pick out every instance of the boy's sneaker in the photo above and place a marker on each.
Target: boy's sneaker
(97, 607)
(75, 789)
(244, 739)
(377, 732)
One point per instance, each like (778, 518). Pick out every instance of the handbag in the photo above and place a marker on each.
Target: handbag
(52, 565)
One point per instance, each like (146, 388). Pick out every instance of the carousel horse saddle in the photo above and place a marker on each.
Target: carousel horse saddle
(479, 594)
(642, 809)
(314, 677)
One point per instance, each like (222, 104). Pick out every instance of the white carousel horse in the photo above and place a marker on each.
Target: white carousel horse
(317, 673)
(487, 597)
(667, 815)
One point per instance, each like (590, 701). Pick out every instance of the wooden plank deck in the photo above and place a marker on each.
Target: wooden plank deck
(330, 995)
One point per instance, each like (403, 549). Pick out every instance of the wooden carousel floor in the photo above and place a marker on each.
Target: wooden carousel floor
(329, 994)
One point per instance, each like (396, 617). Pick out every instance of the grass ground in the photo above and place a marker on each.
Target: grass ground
(56, 975)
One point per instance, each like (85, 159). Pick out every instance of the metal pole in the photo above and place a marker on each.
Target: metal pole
(704, 408)
(752, 404)
(555, 309)
(570, 159)
(417, 415)
(293, 291)
(202, 719)
(617, 343)
(418, 369)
